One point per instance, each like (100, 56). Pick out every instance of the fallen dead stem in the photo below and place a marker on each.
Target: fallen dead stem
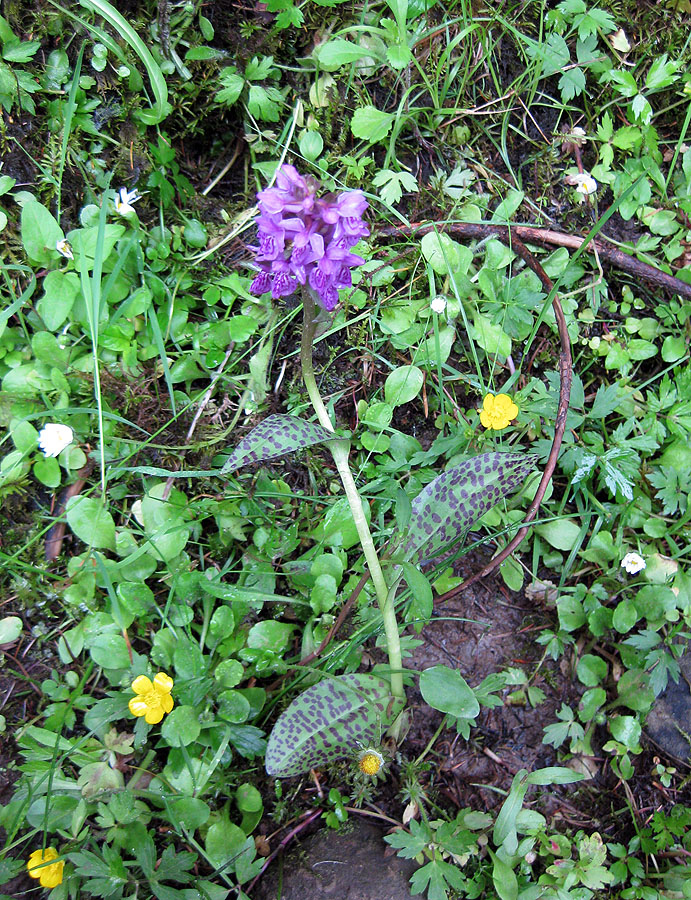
(547, 238)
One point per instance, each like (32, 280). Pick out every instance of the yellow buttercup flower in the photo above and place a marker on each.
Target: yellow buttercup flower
(497, 412)
(153, 699)
(50, 875)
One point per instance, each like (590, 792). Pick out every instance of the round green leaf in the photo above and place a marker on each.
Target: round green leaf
(560, 533)
(591, 701)
(224, 842)
(625, 616)
(24, 436)
(673, 348)
(195, 234)
(110, 651)
(403, 385)
(375, 443)
(222, 623)
(444, 254)
(181, 727)
(91, 522)
(233, 707)
(327, 564)
(10, 629)
(40, 233)
(190, 812)
(591, 670)
(626, 730)
(311, 145)
(229, 672)
(445, 689)
(269, 635)
(47, 471)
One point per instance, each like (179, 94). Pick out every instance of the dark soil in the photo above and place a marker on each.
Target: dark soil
(352, 864)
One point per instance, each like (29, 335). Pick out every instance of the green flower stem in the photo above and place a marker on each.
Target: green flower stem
(340, 451)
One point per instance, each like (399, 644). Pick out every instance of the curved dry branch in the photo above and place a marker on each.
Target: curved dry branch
(565, 379)
(547, 237)
(511, 236)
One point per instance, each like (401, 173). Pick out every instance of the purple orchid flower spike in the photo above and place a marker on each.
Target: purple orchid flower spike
(305, 239)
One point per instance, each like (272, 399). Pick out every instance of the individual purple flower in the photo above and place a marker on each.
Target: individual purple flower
(305, 239)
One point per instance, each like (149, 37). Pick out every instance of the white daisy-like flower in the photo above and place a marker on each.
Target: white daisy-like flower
(124, 201)
(64, 248)
(633, 563)
(54, 437)
(438, 304)
(584, 183)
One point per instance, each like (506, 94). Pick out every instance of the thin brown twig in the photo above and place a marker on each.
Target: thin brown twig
(548, 237)
(56, 534)
(347, 606)
(302, 824)
(565, 379)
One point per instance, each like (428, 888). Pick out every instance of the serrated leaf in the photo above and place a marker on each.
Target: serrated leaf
(275, 436)
(371, 124)
(572, 83)
(457, 498)
(261, 102)
(326, 722)
(232, 86)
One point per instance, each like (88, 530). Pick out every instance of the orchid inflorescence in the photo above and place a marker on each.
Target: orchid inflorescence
(305, 239)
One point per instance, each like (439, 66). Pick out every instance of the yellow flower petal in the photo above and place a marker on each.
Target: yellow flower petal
(486, 419)
(138, 706)
(52, 875)
(154, 714)
(163, 682)
(497, 412)
(166, 702)
(142, 685)
(49, 876)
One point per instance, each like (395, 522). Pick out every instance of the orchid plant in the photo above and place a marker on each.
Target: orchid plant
(305, 245)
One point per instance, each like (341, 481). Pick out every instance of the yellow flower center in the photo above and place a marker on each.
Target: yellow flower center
(370, 762)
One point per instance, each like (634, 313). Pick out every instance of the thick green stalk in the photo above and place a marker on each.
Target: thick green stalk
(340, 451)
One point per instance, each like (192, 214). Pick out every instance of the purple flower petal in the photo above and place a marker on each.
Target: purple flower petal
(306, 240)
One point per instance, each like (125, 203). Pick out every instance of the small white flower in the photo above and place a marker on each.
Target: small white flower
(124, 201)
(54, 437)
(64, 248)
(584, 183)
(633, 563)
(438, 304)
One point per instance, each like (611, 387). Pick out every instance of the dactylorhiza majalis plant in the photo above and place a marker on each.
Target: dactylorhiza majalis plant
(305, 243)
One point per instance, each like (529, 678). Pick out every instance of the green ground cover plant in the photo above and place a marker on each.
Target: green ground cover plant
(314, 317)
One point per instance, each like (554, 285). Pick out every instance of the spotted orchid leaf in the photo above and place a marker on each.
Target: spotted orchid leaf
(275, 436)
(326, 722)
(456, 499)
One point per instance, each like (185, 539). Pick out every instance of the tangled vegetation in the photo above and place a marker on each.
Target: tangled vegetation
(229, 531)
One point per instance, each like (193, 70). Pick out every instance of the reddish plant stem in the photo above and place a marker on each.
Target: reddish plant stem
(56, 534)
(302, 824)
(511, 236)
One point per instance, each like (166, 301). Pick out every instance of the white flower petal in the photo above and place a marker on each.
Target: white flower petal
(54, 437)
(633, 563)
